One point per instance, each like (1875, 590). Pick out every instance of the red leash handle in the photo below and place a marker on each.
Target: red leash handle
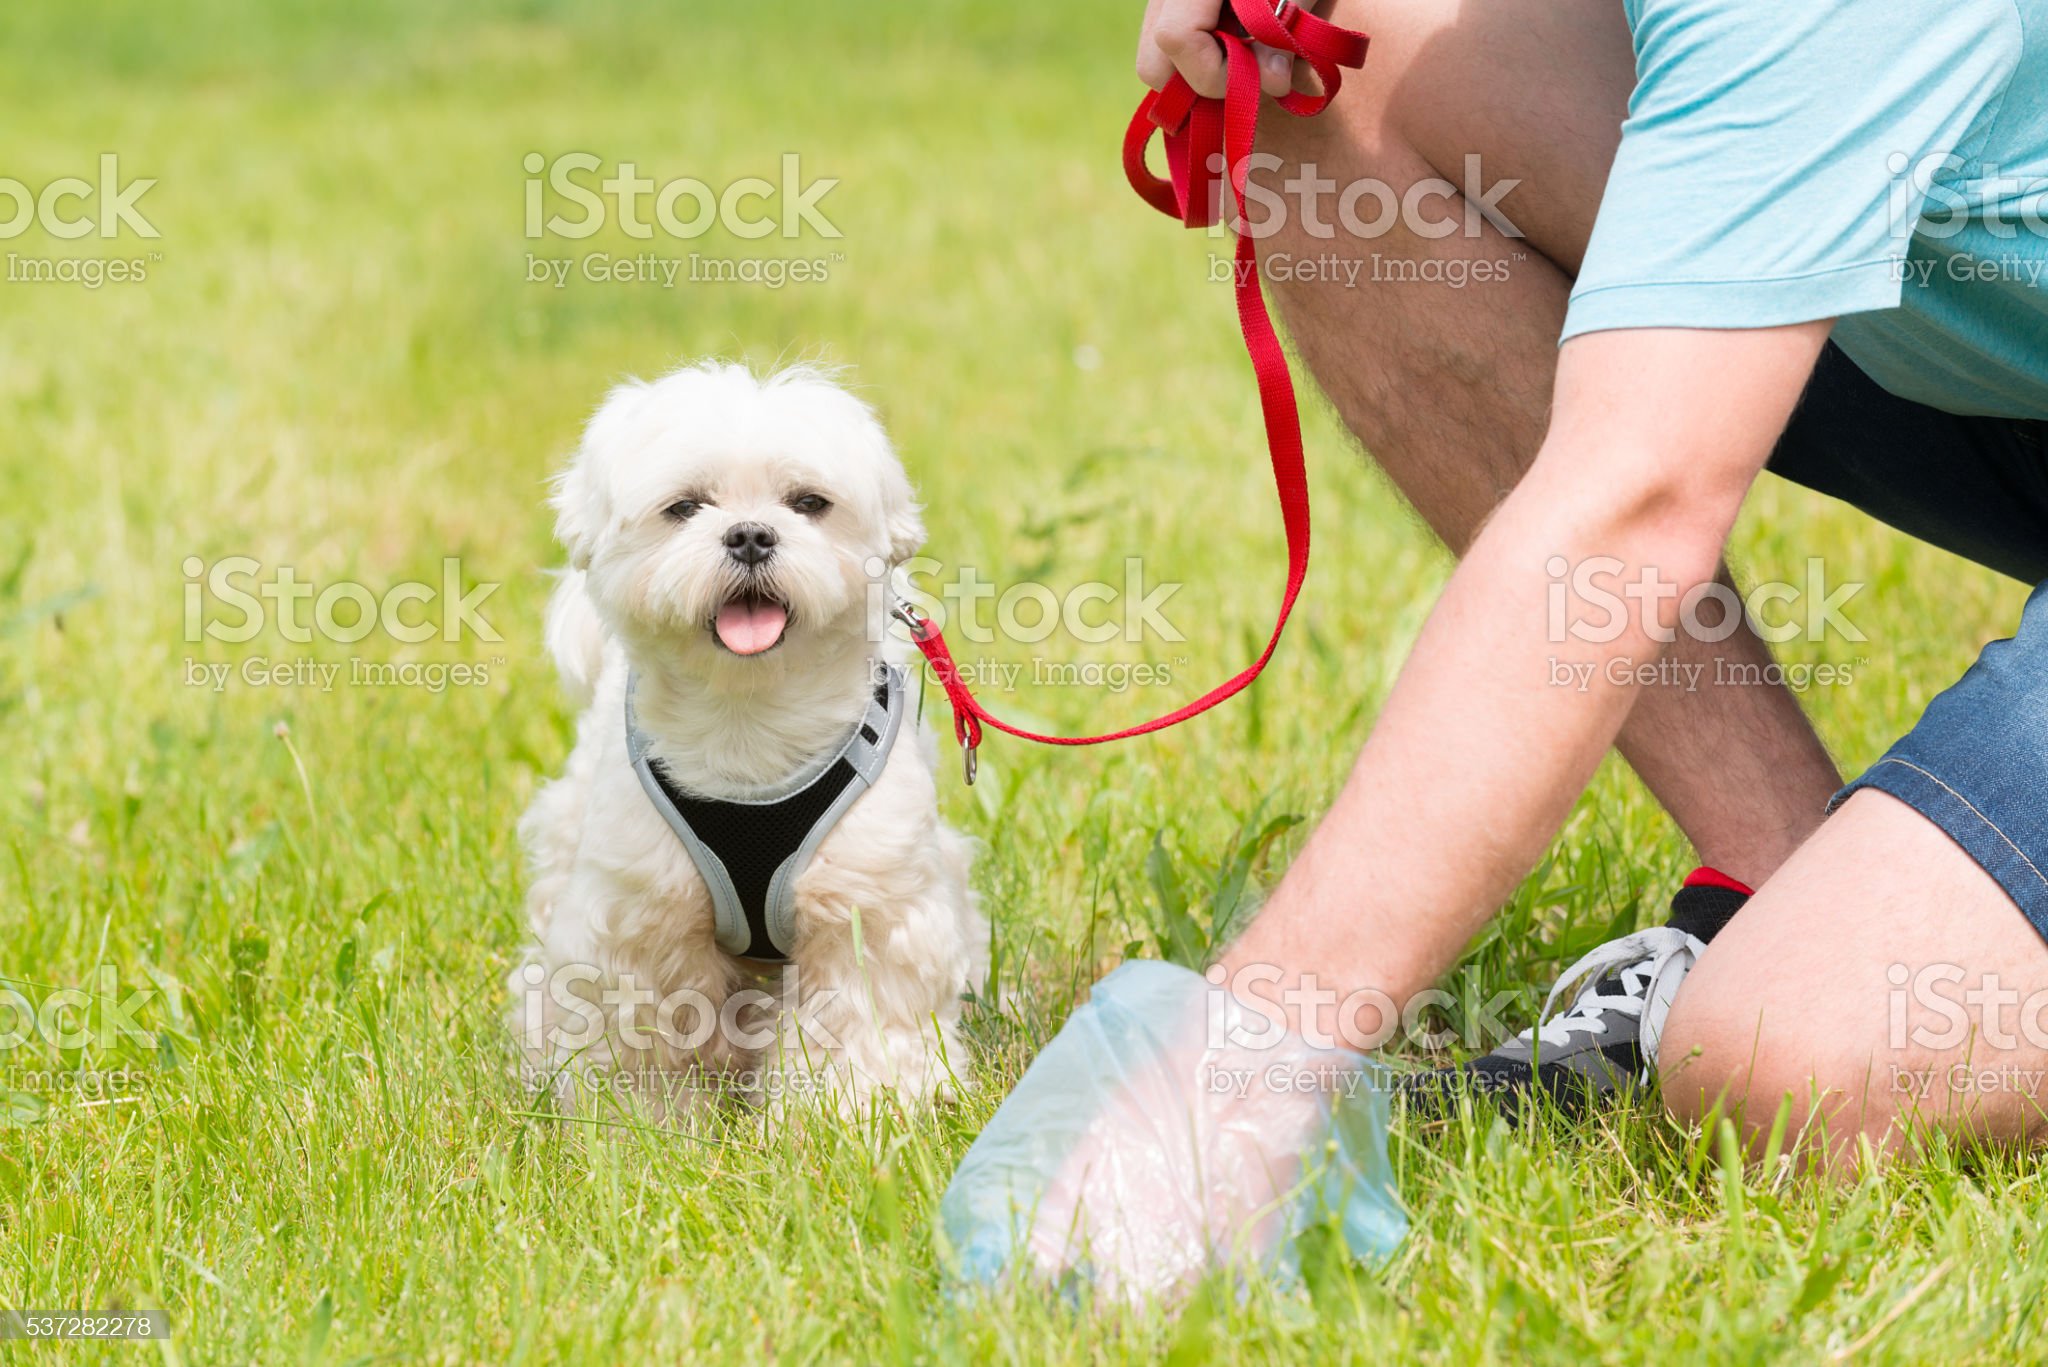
(1203, 137)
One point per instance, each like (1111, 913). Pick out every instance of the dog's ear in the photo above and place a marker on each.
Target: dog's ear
(902, 518)
(581, 500)
(578, 516)
(906, 530)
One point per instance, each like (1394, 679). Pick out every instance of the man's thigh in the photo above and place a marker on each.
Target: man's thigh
(1434, 330)
(1534, 90)
(1882, 976)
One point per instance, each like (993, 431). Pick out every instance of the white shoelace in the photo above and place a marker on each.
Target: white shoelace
(1651, 964)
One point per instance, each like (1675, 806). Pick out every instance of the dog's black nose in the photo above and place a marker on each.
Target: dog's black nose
(750, 542)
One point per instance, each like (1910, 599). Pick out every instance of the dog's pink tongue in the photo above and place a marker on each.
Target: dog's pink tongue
(750, 627)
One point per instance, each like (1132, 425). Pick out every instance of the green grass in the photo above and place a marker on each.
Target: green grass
(335, 364)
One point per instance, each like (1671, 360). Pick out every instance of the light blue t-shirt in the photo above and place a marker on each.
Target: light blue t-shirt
(1884, 162)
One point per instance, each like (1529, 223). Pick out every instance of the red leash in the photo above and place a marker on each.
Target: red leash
(1201, 136)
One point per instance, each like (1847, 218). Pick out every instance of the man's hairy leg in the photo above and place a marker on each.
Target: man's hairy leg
(1449, 386)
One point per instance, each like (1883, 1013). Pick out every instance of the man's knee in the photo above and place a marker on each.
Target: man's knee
(1703, 1062)
(1719, 1054)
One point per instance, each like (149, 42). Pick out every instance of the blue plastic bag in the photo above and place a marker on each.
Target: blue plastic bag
(1169, 1130)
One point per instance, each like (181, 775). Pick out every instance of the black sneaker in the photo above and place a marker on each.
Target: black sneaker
(1607, 1038)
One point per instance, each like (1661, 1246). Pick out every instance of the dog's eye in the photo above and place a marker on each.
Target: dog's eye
(811, 505)
(683, 509)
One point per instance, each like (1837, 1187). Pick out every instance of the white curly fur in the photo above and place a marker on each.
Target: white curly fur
(615, 900)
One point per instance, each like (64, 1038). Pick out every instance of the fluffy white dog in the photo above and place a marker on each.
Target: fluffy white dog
(723, 625)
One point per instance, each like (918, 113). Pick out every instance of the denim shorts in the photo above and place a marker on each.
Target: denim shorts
(1976, 763)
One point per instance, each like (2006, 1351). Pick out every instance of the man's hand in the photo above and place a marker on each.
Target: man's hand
(1167, 1132)
(1499, 717)
(1180, 35)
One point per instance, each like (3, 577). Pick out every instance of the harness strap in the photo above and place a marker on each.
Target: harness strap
(750, 850)
(1204, 138)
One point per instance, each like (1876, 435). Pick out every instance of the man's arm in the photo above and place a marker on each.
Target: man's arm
(1655, 437)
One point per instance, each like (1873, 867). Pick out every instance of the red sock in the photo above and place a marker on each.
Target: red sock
(1706, 876)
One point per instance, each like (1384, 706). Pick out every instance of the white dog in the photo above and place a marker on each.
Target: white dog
(723, 625)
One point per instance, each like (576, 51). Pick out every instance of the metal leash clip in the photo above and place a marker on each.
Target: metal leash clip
(919, 625)
(920, 628)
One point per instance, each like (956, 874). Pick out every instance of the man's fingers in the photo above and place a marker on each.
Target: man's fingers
(1276, 70)
(1179, 36)
(1196, 55)
(1154, 69)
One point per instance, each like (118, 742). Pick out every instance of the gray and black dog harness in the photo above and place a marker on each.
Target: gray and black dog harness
(751, 849)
